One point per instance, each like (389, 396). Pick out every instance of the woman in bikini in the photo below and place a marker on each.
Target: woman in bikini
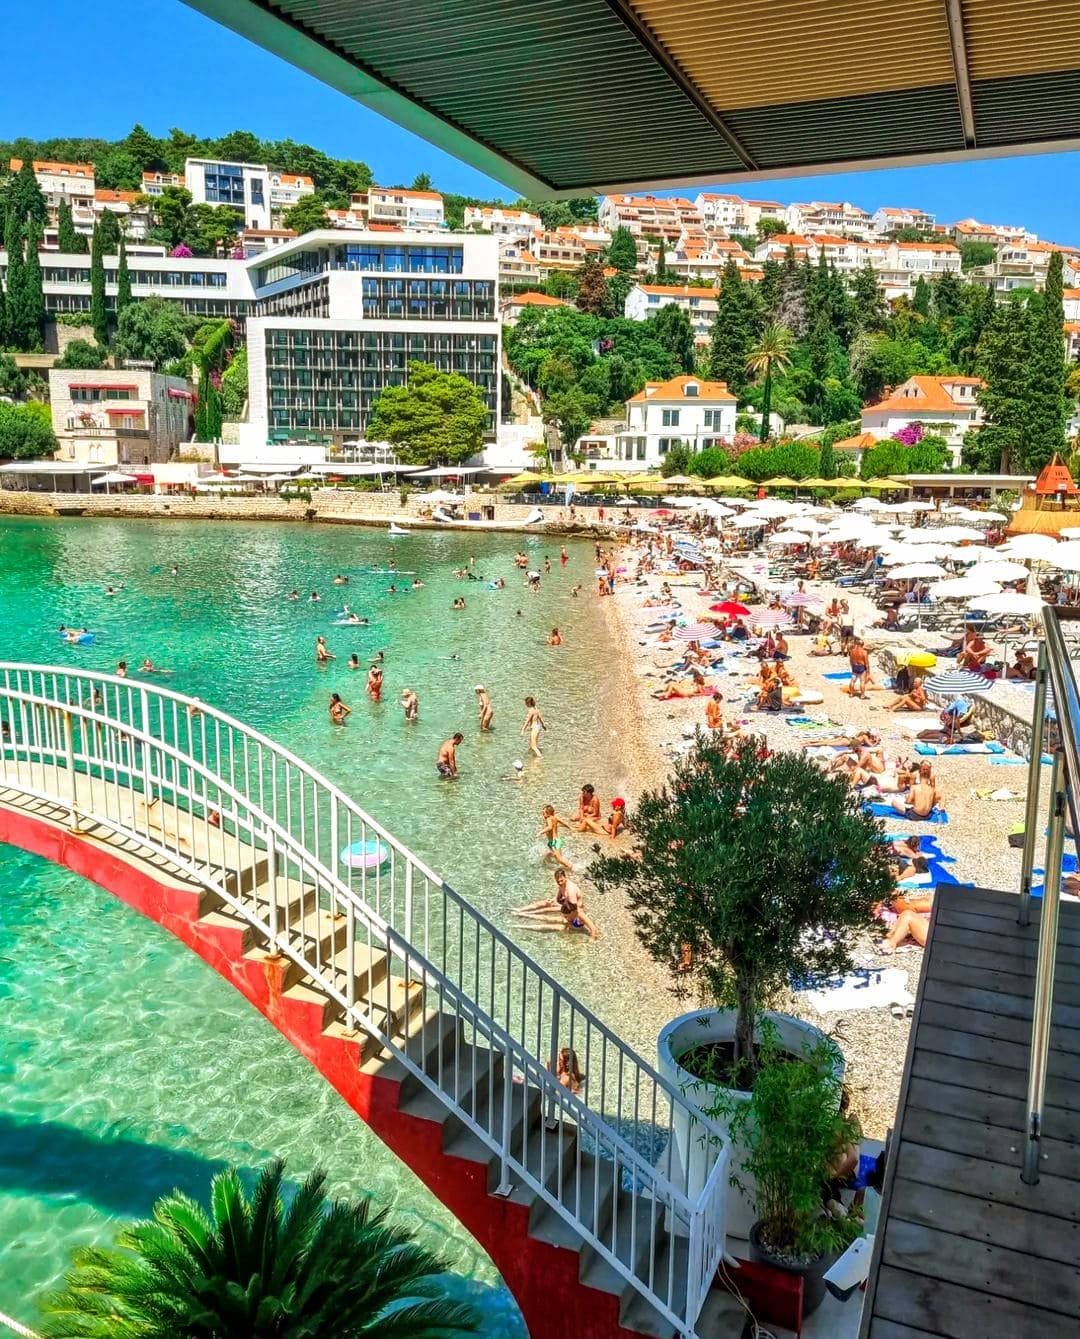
(534, 723)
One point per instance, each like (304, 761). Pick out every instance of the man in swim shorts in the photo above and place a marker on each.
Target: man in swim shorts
(859, 661)
(446, 761)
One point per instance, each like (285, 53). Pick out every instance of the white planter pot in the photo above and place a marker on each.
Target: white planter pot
(678, 1037)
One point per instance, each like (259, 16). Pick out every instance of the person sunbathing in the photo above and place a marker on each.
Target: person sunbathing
(913, 701)
(921, 798)
(974, 654)
(912, 922)
(1023, 666)
(694, 686)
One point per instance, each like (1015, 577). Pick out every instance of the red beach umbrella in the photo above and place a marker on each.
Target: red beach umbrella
(732, 607)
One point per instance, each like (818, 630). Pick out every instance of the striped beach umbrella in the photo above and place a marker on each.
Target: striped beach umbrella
(799, 597)
(955, 683)
(695, 632)
(770, 618)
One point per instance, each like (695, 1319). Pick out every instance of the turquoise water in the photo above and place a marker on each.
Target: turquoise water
(128, 1066)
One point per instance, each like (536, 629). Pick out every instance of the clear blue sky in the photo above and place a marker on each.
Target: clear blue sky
(95, 69)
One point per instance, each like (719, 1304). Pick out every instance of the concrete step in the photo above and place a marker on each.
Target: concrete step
(586, 1188)
(633, 1232)
(293, 899)
(389, 1012)
(639, 1315)
(427, 1032)
(466, 1075)
(226, 923)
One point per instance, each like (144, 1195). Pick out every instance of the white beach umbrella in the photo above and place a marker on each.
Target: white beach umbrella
(1034, 548)
(734, 501)
(1070, 532)
(1009, 602)
(918, 572)
(865, 504)
(960, 588)
(789, 538)
(746, 522)
(1001, 569)
(1066, 557)
(903, 554)
(918, 505)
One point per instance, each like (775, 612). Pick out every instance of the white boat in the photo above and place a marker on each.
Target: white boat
(397, 530)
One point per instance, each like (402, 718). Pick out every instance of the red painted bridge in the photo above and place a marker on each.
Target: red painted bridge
(435, 1027)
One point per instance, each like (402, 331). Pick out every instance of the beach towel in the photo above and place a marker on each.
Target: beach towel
(940, 750)
(936, 860)
(1017, 762)
(887, 811)
(1069, 865)
(838, 675)
(865, 988)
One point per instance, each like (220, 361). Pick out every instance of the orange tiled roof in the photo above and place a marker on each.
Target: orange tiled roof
(534, 300)
(117, 197)
(932, 396)
(58, 169)
(863, 442)
(675, 390)
(928, 246)
(678, 290)
(413, 195)
(293, 179)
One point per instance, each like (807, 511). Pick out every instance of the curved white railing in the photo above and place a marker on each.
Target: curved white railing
(238, 813)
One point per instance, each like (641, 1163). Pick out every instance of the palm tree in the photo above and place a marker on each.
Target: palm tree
(772, 353)
(256, 1269)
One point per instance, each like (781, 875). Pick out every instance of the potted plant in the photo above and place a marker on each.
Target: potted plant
(794, 1133)
(750, 872)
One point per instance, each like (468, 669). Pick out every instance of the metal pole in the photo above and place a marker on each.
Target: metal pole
(1031, 809)
(1046, 962)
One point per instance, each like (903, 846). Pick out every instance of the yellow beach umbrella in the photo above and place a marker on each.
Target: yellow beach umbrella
(521, 480)
(728, 481)
(922, 660)
(680, 481)
(815, 483)
(781, 482)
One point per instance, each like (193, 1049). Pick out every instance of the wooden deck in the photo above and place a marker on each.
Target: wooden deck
(964, 1249)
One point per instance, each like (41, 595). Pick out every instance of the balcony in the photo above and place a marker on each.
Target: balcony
(981, 1210)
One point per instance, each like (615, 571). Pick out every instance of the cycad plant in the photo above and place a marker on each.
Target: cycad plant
(772, 353)
(256, 1269)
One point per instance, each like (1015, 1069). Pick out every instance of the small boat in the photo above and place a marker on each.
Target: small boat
(396, 529)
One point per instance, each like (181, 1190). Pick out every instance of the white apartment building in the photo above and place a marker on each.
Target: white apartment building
(648, 215)
(1015, 265)
(1071, 304)
(898, 264)
(645, 300)
(399, 208)
(823, 216)
(562, 249)
(888, 219)
(707, 261)
(153, 183)
(945, 406)
(126, 419)
(73, 182)
(288, 189)
(517, 262)
(244, 186)
(337, 316)
(685, 411)
(971, 230)
(347, 218)
(503, 221)
(721, 213)
(756, 210)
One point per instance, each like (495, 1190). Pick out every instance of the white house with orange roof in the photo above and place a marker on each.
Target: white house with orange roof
(1019, 265)
(685, 411)
(419, 210)
(971, 230)
(889, 219)
(512, 306)
(288, 189)
(644, 300)
(946, 406)
(723, 213)
(824, 216)
(756, 210)
(73, 182)
(153, 183)
(648, 215)
(503, 221)
(518, 263)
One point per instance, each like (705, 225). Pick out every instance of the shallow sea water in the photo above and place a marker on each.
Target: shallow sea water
(127, 1065)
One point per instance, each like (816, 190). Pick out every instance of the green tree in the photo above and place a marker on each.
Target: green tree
(592, 289)
(920, 299)
(436, 418)
(234, 386)
(68, 240)
(170, 211)
(1005, 398)
(710, 462)
(257, 1268)
(422, 182)
(671, 328)
(99, 313)
(676, 460)
(1048, 406)
(308, 215)
(239, 146)
(868, 306)
(790, 460)
(25, 432)
(80, 354)
(769, 289)
(767, 228)
(790, 307)
(976, 253)
(33, 293)
(24, 197)
(826, 461)
(118, 170)
(123, 280)
(930, 456)
(661, 261)
(733, 329)
(144, 149)
(570, 413)
(770, 355)
(153, 330)
(108, 232)
(14, 382)
(757, 871)
(622, 250)
(948, 296)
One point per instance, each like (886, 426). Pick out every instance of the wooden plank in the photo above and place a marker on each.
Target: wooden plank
(1013, 1275)
(982, 1023)
(956, 1312)
(1004, 927)
(1054, 1196)
(888, 1329)
(983, 1078)
(1021, 985)
(1062, 1066)
(988, 1108)
(1038, 1234)
(1023, 950)
(956, 1133)
(996, 954)
(967, 997)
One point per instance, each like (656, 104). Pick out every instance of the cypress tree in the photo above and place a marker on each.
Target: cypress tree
(13, 245)
(867, 302)
(733, 330)
(920, 300)
(661, 262)
(791, 303)
(622, 250)
(108, 231)
(827, 462)
(33, 294)
(769, 289)
(99, 312)
(123, 280)
(1002, 442)
(70, 242)
(1046, 393)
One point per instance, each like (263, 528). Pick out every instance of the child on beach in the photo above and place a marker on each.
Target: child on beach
(550, 831)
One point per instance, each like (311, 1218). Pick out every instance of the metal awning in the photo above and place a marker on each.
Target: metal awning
(51, 467)
(600, 95)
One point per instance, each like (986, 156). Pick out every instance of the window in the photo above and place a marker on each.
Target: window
(256, 191)
(690, 389)
(669, 418)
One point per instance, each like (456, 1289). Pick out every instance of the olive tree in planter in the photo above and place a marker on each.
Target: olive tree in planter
(747, 871)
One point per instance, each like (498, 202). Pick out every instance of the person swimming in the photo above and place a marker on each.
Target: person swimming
(339, 580)
(375, 683)
(313, 597)
(338, 709)
(354, 662)
(322, 651)
(293, 595)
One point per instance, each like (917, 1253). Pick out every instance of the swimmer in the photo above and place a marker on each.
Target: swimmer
(338, 709)
(375, 683)
(575, 591)
(550, 830)
(411, 705)
(534, 723)
(556, 638)
(547, 563)
(519, 614)
(500, 583)
(417, 584)
(121, 670)
(459, 603)
(174, 570)
(148, 667)
(339, 580)
(380, 656)
(446, 759)
(293, 595)
(354, 662)
(322, 651)
(485, 709)
(391, 590)
(568, 904)
(391, 564)
(353, 620)
(518, 774)
(313, 598)
(110, 591)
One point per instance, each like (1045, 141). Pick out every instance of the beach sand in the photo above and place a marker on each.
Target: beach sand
(874, 1043)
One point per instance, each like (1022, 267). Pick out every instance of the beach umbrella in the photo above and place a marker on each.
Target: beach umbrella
(769, 618)
(781, 481)
(922, 660)
(1066, 557)
(958, 588)
(1001, 569)
(955, 683)
(694, 632)
(679, 481)
(864, 503)
(792, 537)
(1070, 531)
(918, 506)
(1031, 548)
(731, 501)
(1009, 602)
(731, 607)
(746, 521)
(918, 572)
(522, 480)
(799, 597)
(729, 481)
(660, 511)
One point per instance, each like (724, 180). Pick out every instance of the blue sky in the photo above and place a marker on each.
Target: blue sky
(95, 69)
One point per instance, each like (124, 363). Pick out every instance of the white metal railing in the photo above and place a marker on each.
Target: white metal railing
(262, 830)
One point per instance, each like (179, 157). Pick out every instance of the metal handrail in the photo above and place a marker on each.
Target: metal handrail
(1055, 671)
(251, 802)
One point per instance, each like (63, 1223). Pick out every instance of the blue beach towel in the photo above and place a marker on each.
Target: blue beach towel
(975, 750)
(887, 811)
(837, 674)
